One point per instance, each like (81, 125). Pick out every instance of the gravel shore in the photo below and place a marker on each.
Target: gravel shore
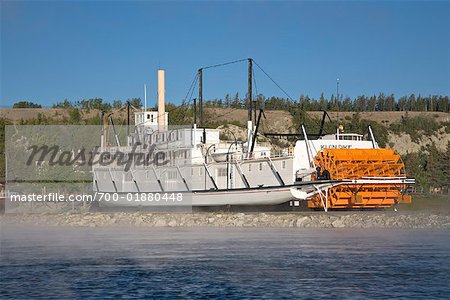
(358, 219)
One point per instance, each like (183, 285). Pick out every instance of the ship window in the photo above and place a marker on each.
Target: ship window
(151, 119)
(148, 117)
(260, 166)
(249, 167)
(105, 157)
(222, 172)
(284, 164)
(172, 175)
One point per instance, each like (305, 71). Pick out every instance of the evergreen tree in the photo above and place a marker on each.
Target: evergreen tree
(402, 104)
(323, 102)
(117, 104)
(64, 104)
(412, 102)
(135, 102)
(26, 104)
(236, 102)
(227, 100)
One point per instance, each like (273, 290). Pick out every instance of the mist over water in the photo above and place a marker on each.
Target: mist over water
(116, 262)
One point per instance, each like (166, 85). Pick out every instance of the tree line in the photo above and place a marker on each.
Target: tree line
(26, 104)
(380, 102)
(97, 103)
(430, 168)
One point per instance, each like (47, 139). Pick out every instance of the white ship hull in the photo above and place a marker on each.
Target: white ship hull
(260, 196)
(252, 196)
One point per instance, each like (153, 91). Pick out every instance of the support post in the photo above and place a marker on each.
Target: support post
(200, 95)
(128, 118)
(250, 100)
(244, 179)
(158, 179)
(182, 177)
(255, 109)
(114, 130)
(255, 133)
(308, 149)
(102, 133)
(135, 181)
(210, 177)
(195, 111)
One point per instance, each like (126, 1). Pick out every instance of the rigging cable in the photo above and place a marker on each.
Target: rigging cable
(224, 64)
(254, 82)
(273, 81)
(221, 65)
(183, 103)
(193, 84)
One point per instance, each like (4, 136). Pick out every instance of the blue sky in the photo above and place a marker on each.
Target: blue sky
(78, 50)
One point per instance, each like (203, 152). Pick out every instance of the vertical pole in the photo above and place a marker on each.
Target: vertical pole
(249, 121)
(200, 95)
(337, 89)
(337, 100)
(128, 118)
(254, 105)
(102, 133)
(250, 100)
(145, 97)
(195, 111)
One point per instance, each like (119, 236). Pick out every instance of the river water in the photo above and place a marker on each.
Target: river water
(54, 263)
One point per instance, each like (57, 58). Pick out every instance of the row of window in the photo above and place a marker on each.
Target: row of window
(220, 171)
(223, 171)
(175, 135)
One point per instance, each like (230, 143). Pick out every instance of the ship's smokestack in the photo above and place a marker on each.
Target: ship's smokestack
(161, 99)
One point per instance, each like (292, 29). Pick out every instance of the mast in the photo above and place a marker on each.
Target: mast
(194, 126)
(102, 131)
(195, 110)
(250, 98)
(337, 100)
(255, 105)
(145, 97)
(249, 121)
(200, 95)
(128, 118)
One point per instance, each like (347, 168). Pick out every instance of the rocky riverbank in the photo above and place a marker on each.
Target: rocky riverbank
(300, 220)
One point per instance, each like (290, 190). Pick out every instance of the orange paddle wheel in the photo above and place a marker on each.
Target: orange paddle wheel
(349, 164)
